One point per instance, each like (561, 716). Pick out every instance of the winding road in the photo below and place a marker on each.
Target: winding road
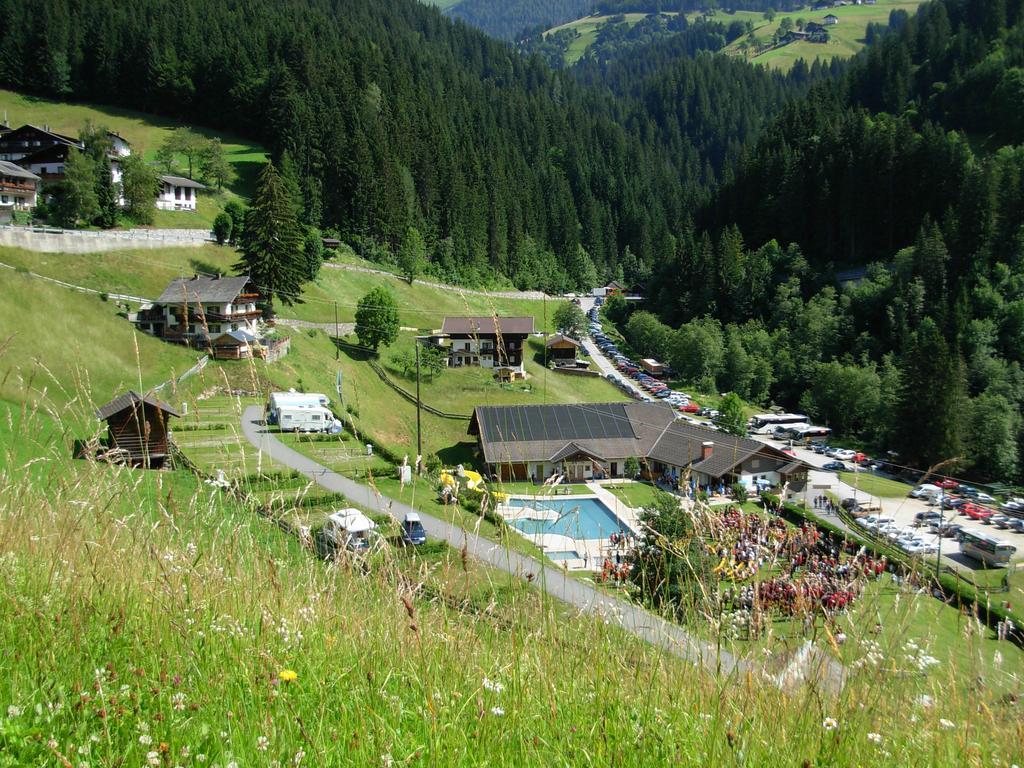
(556, 583)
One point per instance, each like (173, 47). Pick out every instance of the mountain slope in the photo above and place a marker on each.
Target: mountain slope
(506, 19)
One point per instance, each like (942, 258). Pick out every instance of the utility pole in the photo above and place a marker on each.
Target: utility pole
(337, 336)
(419, 436)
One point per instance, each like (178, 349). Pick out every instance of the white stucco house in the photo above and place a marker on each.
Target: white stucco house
(19, 188)
(178, 193)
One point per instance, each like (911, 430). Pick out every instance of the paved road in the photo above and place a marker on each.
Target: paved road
(554, 582)
(343, 329)
(605, 365)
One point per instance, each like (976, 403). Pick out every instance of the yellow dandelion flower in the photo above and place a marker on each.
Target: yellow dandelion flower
(288, 675)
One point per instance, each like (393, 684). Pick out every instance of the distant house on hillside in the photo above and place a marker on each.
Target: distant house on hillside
(178, 193)
(18, 188)
(489, 342)
(562, 347)
(831, 20)
(45, 152)
(196, 310)
(137, 429)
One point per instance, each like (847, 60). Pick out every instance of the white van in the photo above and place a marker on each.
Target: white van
(294, 399)
(306, 419)
(926, 491)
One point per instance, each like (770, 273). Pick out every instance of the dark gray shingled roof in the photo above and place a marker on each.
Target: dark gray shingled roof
(523, 433)
(486, 325)
(181, 181)
(196, 289)
(15, 171)
(130, 399)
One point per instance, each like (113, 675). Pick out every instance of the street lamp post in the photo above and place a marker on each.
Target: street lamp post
(938, 549)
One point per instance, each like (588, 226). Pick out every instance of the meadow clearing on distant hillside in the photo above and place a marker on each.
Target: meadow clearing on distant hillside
(847, 37)
(146, 133)
(587, 27)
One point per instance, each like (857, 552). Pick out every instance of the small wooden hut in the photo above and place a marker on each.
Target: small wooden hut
(137, 429)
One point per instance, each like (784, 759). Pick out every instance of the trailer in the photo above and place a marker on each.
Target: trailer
(307, 419)
(293, 399)
(653, 367)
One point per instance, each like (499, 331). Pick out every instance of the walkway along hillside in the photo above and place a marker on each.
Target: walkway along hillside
(556, 583)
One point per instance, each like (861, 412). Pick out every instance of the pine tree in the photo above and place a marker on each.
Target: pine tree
(140, 186)
(930, 401)
(106, 194)
(272, 253)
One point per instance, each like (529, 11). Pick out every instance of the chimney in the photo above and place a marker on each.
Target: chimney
(706, 449)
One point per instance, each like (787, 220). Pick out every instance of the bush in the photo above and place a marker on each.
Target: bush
(222, 226)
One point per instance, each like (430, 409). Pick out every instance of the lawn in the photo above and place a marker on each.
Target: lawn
(876, 486)
(847, 37)
(636, 495)
(146, 133)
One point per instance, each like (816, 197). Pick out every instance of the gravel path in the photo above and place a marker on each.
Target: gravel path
(536, 295)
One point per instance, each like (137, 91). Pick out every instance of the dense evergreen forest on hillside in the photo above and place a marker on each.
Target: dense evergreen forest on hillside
(390, 116)
(506, 19)
(909, 164)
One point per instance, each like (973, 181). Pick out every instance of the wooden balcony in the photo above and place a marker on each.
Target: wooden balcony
(11, 186)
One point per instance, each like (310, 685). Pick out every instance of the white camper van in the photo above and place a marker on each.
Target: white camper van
(351, 529)
(306, 419)
(293, 399)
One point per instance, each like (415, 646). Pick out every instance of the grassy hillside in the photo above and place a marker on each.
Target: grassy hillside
(148, 619)
(847, 37)
(146, 133)
(587, 27)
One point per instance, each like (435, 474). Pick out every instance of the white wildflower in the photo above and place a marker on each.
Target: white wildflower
(925, 701)
(145, 739)
(13, 711)
(497, 711)
(299, 756)
(947, 724)
(829, 723)
(875, 738)
(493, 686)
(262, 743)
(178, 701)
(153, 758)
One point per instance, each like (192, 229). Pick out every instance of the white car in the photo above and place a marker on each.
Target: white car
(845, 454)
(926, 491)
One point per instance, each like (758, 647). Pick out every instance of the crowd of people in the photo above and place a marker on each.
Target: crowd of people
(812, 576)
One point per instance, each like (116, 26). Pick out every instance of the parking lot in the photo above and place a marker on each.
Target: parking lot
(902, 510)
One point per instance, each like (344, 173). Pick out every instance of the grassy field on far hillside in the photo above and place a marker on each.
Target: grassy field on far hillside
(146, 133)
(587, 27)
(846, 37)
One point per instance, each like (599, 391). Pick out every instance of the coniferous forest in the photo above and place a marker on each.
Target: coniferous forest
(843, 238)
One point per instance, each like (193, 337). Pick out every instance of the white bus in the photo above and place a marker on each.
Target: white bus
(987, 549)
(765, 423)
(293, 399)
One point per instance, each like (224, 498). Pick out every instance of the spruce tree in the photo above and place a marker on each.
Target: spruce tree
(106, 194)
(272, 253)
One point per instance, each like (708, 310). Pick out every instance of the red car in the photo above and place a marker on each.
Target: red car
(689, 408)
(976, 512)
(947, 484)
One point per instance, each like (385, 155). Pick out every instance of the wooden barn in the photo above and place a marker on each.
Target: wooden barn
(137, 429)
(562, 347)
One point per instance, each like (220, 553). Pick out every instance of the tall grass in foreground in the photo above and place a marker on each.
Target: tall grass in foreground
(147, 619)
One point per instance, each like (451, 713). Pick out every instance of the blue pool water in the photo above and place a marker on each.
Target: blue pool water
(562, 555)
(579, 518)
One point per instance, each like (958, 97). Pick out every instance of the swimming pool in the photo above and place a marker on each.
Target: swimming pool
(586, 518)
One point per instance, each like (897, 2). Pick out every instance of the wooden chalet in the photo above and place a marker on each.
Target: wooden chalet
(137, 429)
(488, 342)
(562, 347)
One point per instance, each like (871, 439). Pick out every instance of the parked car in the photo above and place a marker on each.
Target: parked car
(976, 512)
(845, 454)
(1016, 524)
(835, 466)
(947, 483)
(412, 530)
(925, 491)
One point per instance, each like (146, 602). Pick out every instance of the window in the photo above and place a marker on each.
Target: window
(177, 193)
(3, 198)
(188, 193)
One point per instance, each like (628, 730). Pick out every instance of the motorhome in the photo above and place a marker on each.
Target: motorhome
(988, 549)
(306, 419)
(294, 399)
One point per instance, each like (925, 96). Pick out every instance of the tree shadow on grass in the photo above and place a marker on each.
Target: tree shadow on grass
(205, 268)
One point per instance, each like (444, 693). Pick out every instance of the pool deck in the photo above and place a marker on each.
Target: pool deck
(592, 552)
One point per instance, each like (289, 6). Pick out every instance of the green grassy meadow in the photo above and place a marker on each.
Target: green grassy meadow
(587, 27)
(846, 37)
(876, 486)
(145, 133)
